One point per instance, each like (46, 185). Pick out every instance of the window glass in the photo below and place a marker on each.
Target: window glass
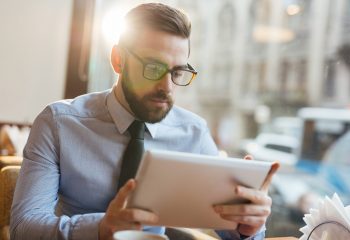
(260, 62)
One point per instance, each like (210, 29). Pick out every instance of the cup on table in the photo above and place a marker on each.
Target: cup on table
(137, 235)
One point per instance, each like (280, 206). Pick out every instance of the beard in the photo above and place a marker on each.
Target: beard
(139, 107)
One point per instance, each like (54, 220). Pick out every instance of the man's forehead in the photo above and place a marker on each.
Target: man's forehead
(151, 38)
(161, 45)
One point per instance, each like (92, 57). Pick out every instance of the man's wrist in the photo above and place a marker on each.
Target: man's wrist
(104, 232)
(243, 236)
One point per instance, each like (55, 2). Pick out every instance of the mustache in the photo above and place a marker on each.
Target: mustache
(161, 95)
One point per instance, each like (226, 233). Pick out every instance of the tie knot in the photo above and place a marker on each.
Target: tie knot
(137, 129)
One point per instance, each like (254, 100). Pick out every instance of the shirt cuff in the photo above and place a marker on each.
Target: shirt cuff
(235, 235)
(86, 226)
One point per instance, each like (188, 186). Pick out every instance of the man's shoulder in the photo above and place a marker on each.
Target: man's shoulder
(181, 116)
(87, 105)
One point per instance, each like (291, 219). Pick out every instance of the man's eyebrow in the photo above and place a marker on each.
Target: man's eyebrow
(184, 66)
(155, 60)
(152, 59)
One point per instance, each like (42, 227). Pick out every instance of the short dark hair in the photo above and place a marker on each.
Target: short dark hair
(344, 54)
(156, 16)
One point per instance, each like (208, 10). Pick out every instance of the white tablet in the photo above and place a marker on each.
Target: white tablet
(182, 187)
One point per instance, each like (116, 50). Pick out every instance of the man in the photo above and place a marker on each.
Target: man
(67, 188)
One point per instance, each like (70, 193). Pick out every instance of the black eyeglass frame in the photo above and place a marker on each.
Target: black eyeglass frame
(171, 71)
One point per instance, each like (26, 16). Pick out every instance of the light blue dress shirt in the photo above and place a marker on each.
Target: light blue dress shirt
(72, 161)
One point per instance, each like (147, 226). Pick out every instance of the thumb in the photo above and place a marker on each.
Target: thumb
(122, 196)
(248, 157)
(269, 176)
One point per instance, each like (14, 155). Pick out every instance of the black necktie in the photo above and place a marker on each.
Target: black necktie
(133, 152)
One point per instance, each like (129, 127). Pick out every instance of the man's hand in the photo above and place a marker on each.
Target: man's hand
(118, 217)
(253, 215)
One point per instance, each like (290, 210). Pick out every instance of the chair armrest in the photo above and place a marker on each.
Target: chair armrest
(5, 233)
(10, 161)
(8, 178)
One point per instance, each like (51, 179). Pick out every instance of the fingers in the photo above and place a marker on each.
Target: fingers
(252, 221)
(118, 217)
(126, 219)
(252, 213)
(249, 215)
(128, 226)
(248, 230)
(243, 210)
(130, 215)
(141, 216)
(253, 195)
(268, 179)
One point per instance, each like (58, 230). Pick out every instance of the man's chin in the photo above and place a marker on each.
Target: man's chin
(157, 116)
(148, 112)
(154, 114)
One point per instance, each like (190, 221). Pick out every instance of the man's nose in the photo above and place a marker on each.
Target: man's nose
(166, 84)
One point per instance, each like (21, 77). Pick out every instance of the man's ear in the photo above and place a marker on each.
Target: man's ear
(117, 59)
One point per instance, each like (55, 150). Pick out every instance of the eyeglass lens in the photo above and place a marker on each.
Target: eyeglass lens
(155, 71)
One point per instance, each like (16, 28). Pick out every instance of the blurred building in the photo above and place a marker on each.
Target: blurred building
(256, 59)
(279, 54)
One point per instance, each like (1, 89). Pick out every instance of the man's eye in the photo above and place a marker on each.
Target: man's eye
(154, 71)
(178, 74)
(151, 67)
(155, 67)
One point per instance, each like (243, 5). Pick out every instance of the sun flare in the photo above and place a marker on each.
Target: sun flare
(113, 25)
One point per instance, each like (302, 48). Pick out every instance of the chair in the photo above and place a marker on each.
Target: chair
(8, 178)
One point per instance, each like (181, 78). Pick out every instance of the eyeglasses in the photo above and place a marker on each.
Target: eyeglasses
(180, 75)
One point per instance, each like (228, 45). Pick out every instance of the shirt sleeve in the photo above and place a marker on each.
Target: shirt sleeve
(207, 144)
(33, 210)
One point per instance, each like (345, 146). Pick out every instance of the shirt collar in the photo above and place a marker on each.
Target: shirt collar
(152, 128)
(122, 118)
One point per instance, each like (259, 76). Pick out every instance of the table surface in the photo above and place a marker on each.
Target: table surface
(282, 238)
